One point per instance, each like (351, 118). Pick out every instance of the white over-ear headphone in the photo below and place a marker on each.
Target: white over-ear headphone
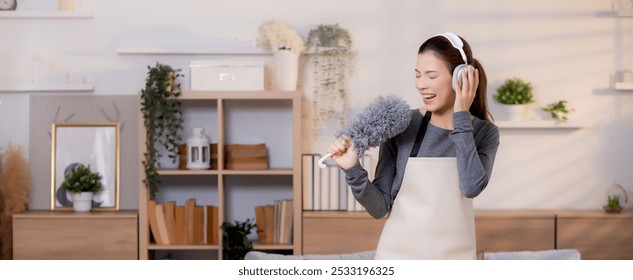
(459, 45)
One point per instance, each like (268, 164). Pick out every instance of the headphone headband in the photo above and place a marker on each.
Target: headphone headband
(456, 42)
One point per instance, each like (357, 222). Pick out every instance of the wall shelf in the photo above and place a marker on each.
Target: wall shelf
(44, 14)
(623, 86)
(48, 88)
(624, 13)
(541, 125)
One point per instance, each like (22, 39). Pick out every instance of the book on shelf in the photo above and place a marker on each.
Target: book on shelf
(153, 223)
(211, 225)
(190, 206)
(247, 163)
(260, 221)
(246, 157)
(274, 222)
(180, 225)
(326, 188)
(169, 208)
(162, 226)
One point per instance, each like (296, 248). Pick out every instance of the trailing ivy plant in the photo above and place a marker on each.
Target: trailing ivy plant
(162, 117)
(332, 65)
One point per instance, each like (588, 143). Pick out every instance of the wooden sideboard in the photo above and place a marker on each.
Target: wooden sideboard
(595, 234)
(65, 235)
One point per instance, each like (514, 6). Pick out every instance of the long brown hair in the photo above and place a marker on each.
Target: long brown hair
(451, 56)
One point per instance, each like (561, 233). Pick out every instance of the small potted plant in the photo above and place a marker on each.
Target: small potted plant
(515, 94)
(558, 110)
(613, 204)
(82, 183)
(235, 242)
(286, 44)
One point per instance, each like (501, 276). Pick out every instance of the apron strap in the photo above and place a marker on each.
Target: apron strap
(421, 131)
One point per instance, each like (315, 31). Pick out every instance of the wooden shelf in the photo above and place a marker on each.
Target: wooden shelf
(623, 86)
(218, 182)
(624, 13)
(44, 14)
(48, 88)
(182, 247)
(542, 125)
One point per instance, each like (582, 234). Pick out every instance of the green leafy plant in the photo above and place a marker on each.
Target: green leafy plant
(332, 65)
(558, 110)
(613, 201)
(235, 242)
(162, 117)
(514, 92)
(81, 179)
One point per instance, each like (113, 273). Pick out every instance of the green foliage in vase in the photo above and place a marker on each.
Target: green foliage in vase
(613, 201)
(558, 110)
(81, 179)
(162, 117)
(515, 92)
(332, 65)
(235, 242)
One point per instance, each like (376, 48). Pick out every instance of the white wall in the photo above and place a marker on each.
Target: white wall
(568, 50)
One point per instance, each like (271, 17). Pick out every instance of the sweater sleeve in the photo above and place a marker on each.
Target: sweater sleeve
(375, 196)
(474, 163)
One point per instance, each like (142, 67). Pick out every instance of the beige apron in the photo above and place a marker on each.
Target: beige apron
(430, 217)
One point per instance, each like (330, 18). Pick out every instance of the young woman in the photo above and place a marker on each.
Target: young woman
(427, 176)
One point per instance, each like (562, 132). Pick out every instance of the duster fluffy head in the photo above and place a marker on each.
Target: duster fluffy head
(385, 118)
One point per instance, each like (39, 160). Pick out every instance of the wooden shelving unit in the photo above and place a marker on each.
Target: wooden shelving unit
(220, 176)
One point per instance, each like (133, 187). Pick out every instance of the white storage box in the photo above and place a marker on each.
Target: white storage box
(226, 75)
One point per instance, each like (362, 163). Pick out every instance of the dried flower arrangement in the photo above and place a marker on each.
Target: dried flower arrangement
(15, 193)
(275, 35)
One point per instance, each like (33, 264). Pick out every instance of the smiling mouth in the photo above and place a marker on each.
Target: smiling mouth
(428, 96)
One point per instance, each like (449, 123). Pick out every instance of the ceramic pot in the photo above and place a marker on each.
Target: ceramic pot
(82, 202)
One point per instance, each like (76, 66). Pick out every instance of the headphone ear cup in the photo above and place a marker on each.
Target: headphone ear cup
(457, 73)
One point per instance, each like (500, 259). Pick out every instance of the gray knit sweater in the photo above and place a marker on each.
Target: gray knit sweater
(474, 144)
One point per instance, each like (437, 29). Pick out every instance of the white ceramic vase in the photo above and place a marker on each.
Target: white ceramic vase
(82, 202)
(286, 70)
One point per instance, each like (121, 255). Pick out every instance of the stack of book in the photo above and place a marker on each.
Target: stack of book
(326, 188)
(274, 222)
(188, 224)
(246, 157)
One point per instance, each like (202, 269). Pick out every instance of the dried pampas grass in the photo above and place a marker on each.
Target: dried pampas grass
(15, 192)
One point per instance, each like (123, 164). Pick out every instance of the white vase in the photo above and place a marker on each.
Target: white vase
(286, 70)
(82, 202)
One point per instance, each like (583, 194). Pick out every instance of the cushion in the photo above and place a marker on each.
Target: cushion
(257, 255)
(560, 254)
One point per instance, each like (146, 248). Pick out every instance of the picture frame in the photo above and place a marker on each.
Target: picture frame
(92, 144)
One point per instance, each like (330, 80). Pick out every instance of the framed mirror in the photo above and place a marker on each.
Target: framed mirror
(92, 144)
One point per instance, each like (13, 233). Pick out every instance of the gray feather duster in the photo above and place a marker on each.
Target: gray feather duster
(385, 118)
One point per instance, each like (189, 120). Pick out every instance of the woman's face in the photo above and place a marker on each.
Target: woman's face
(433, 81)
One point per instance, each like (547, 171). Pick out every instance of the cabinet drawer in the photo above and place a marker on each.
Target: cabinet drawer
(71, 236)
(345, 235)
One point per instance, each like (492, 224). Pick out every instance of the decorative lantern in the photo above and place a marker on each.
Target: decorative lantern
(198, 150)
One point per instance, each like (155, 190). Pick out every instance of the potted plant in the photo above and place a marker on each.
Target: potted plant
(162, 118)
(332, 65)
(613, 204)
(286, 44)
(235, 242)
(515, 94)
(82, 183)
(558, 110)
